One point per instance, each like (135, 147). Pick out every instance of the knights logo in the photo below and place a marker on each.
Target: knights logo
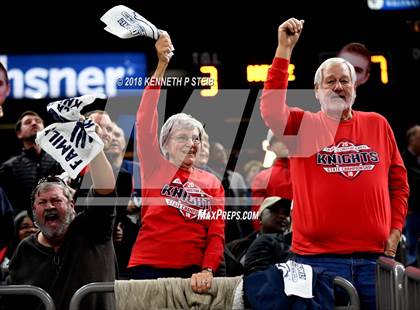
(187, 197)
(347, 159)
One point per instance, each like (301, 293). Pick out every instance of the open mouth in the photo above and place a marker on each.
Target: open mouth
(51, 217)
(342, 97)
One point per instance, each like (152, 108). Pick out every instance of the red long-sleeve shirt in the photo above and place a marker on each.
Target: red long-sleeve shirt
(171, 235)
(349, 182)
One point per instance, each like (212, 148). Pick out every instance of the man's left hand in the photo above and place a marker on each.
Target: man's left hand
(392, 242)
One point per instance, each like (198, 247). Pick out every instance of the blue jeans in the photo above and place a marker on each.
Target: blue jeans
(359, 269)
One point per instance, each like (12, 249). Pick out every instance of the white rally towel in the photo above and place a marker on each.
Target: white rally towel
(69, 109)
(297, 279)
(125, 23)
(71, 142)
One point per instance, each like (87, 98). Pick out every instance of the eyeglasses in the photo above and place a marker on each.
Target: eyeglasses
(184, 139)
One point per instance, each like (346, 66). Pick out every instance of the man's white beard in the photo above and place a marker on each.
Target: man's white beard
(335, 110)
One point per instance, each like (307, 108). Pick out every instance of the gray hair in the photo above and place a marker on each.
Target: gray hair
(50, 233)
(319, 74)
(45, 186)
(178, 121)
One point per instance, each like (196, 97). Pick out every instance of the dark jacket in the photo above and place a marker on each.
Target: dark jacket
(20, 175)
(7, 227)
(235, 252)
(264, 290)
(413, 175)
(265, 251)
(86, 255)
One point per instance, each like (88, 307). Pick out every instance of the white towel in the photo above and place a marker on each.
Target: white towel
(297, 279)
(126, 23)
(72, 144)
(69, 109)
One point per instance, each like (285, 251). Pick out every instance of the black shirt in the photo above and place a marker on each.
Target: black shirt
(86, 255)
(20, 175)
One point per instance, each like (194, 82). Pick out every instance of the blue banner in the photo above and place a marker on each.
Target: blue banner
(393, 4)
(70, 75)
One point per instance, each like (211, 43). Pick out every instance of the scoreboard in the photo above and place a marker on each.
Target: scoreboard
(257, 73)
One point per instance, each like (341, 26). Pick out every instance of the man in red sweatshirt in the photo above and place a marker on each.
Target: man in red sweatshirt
(349, 182)
(274, 181)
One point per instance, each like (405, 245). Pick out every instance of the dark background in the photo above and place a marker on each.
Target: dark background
(240, 34)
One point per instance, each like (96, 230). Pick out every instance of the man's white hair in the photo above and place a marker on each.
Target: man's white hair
(319, 74)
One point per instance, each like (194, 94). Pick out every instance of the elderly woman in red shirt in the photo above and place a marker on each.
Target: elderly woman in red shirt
(174, 239)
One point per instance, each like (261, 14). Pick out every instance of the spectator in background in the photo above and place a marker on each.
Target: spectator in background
(124, 184)
(116, 154)
(203, 156)
(349, 205)
(235, 190)
(4, 87)
(113, 151)
(7, 227)
(129, 224)
(274, 181)
(411, 157)
(173, 241)
(359, 56)
(24, 228)
(6, 210)
(116, 149)
(251, 169)
(20, 174)
(274, 218)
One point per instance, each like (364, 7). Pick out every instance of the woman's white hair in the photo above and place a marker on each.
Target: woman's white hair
(319, 74)
(178, 121)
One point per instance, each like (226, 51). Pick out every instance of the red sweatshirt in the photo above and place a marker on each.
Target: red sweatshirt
(171, 235)
(349, 182)
(274, 181)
